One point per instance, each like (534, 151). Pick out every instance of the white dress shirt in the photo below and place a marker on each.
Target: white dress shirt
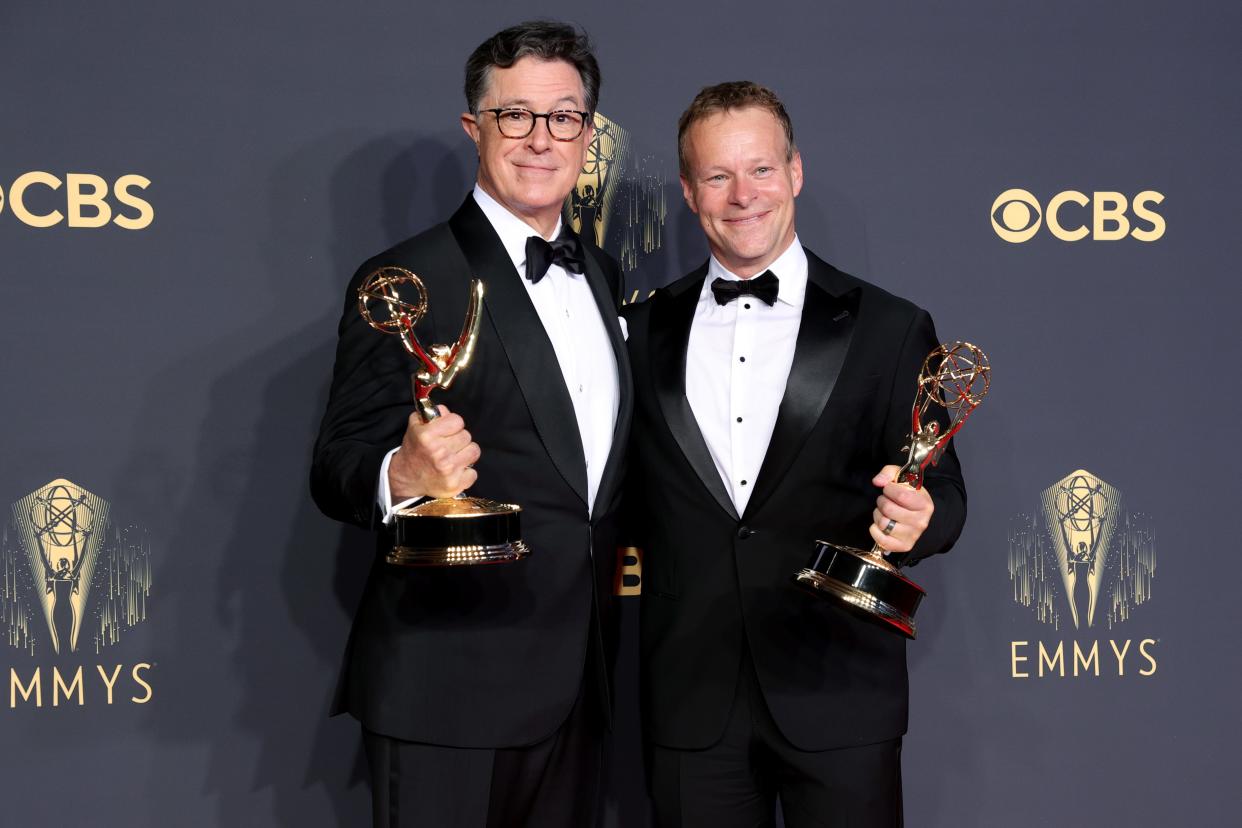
(571, 319)
(737, 363)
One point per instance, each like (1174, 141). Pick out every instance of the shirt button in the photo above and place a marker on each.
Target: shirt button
(741, 359)
(747, 306)
(739, 419)
(743, 482)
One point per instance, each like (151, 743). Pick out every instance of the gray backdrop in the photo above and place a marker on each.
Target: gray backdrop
(174, 374)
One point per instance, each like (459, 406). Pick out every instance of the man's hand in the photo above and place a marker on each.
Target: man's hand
(435, 458)
(907, 510)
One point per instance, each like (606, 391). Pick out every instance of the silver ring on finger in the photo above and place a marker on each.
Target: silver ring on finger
(888, 529)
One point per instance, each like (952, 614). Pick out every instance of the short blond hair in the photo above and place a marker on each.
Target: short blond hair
(724, 97)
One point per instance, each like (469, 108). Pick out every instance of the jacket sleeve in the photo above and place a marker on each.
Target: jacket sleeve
(368, 406)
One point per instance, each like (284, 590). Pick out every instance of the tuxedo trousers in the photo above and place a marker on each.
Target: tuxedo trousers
(737, 782)
(554, 782)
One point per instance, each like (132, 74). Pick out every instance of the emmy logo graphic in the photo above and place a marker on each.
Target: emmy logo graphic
(618, 201)
(66, 562)
(1083, 555)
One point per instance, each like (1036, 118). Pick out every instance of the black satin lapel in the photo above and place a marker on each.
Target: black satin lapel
(525, 343)
(823, 339)
(670, 336)
(607, 305)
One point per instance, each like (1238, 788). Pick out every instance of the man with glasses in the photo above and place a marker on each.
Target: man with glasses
(483, 691)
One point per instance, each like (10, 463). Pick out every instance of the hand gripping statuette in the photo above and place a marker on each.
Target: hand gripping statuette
(956, 377)
(444, 531)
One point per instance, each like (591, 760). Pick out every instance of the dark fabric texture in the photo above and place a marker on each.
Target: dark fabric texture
(740, 781)
(414, 784)
(553, 783)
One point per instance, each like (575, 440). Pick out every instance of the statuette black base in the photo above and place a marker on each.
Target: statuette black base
(458, 531)
(865, 583)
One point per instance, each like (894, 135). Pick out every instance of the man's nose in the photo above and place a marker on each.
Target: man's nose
(743, 191)
(540, 138)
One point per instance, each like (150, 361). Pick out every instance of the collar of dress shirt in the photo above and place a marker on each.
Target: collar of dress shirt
(790, 268)
(512, 230)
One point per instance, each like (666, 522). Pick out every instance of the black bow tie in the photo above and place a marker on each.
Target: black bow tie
(565, 250)
(764, 288)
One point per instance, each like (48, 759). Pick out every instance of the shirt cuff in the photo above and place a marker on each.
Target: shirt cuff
(383, 494)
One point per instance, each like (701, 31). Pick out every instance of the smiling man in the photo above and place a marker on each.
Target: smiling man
(483, 691)
(774, 393)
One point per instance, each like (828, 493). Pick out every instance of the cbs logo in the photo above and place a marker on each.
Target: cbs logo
(85, 199)
(1017, 216)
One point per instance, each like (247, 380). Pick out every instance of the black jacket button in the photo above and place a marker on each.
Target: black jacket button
(745, 532)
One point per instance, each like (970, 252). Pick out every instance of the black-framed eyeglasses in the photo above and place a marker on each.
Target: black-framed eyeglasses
(563, 124)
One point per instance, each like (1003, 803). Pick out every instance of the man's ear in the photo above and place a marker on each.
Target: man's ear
(687, 192)
(471, 125)
(588, 132)
(795, 172)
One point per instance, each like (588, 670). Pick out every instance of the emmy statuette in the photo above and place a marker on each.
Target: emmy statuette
(443, 531)
(956, 377)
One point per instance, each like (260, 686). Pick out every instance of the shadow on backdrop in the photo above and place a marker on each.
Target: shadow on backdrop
(265, 584)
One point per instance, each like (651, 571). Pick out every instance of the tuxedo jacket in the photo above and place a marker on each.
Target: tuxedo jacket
(716, 582)
(489, 656)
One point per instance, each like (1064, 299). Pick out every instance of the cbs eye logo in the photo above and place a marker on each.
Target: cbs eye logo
(1104, 216)
(35, 199)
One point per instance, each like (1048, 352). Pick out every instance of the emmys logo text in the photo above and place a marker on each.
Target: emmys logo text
(43, 199)
(1073, 216)
(1039, 659)
(109, 685)
(1082, 560)
(75, 583)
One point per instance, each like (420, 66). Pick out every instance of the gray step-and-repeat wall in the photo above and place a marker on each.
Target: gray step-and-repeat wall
(185, 189)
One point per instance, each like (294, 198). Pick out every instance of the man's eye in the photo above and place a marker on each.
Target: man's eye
(763, 170)
(515, 115)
